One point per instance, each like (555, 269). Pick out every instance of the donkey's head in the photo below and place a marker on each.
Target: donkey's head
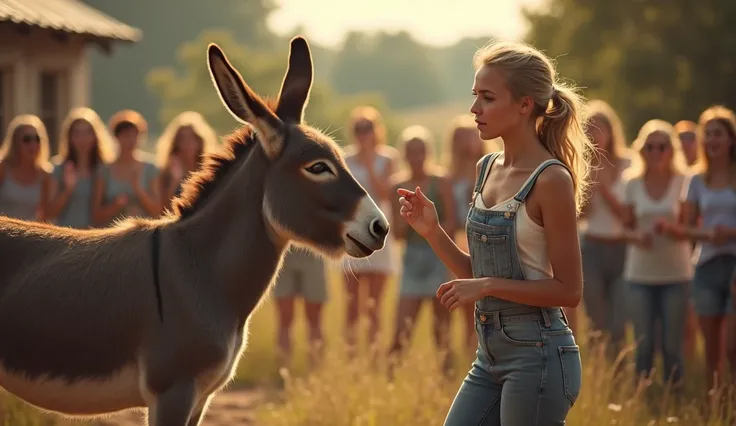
(310, 197)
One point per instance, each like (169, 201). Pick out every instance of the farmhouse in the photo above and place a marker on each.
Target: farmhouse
(44, 68)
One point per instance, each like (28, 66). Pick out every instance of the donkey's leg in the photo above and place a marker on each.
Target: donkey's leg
(174, 407)
(199, 411)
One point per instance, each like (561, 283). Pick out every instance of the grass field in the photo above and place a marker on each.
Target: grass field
(359, 393)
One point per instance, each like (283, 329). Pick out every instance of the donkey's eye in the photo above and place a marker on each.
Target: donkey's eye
(319, 168)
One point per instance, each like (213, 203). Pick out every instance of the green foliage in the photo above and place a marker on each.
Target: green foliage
(263, 71)
(648, 58)
(118, 79)
(454, 64)
(394, 64)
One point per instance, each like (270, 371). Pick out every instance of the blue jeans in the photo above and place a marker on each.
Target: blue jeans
(527, 372)
(668, 303)
(711, 289)
(604, 293)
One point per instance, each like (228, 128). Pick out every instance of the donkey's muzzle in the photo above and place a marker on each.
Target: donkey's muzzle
(379, 228)
(367, 231)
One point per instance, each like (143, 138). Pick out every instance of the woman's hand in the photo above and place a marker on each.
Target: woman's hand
(121, 200)
(662, 226)
(70, 176)
(644, 240)
(176, 169)
(719, 235)
(418, 211)
(456, 293)
(135, 178)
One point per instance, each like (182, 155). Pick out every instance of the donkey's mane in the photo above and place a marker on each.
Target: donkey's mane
(200, 184)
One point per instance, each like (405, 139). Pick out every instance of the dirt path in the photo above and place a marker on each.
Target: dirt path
(233, 407)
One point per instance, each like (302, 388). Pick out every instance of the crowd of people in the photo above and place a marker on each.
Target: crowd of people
(657, 234)
(100, 173)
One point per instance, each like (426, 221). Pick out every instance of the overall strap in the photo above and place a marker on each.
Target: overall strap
(488, 159)
(520, 196)
(155, 255)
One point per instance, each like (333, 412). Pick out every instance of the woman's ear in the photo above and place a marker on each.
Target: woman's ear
(527, 105)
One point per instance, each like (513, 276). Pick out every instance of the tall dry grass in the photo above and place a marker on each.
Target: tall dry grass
(358, 392)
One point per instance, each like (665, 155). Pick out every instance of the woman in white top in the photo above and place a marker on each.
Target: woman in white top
(372, 162)
(602, 248)
(658, 268)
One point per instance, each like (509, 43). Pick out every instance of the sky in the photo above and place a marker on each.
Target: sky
(327, 21)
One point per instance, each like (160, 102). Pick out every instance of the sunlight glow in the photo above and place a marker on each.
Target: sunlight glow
(327, 21)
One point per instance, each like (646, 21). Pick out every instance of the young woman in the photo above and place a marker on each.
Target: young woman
(129, 186)
(657, 268)
(84, 146)
(372, 162)
(463, 149)
(524, 262)
(422, 272)
(24, 169)
(688, 132)
(709, 212)
(302, 276)
(603, 250)
(180, 149)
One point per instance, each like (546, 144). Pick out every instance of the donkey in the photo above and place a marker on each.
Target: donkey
(153, 313)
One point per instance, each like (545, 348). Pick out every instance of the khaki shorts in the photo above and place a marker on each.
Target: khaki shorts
(302, 274)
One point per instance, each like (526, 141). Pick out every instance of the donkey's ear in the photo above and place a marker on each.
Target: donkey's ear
(243, 103)
(297, 83)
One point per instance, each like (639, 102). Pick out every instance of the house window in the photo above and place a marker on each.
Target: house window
(53, 108)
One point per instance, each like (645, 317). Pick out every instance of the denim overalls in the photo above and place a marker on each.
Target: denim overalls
(527, 370)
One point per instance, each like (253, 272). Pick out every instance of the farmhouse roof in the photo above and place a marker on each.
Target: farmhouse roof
(67, 16)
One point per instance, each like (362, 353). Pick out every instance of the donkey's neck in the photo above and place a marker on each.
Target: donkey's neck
(231, 233)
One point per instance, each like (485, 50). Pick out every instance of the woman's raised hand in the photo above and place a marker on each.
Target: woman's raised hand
(418, 211)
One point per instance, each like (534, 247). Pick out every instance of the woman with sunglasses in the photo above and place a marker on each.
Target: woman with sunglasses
(657, 268)
(24, 168)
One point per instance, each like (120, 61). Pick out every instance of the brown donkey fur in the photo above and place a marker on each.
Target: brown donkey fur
(80, 329)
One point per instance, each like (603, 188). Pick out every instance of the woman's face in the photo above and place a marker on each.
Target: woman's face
(416, 154)
(29, 143)
(187, 143)
(365, 134)
(599, 133)
(657, 151)
(128, 139)
(496, 111)
(689, 145)
(717, 141)
(82, 137)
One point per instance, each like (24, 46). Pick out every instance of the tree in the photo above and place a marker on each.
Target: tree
(118, 80)
(262, 70)
(648, 58)
(455, 64)
(394, 64)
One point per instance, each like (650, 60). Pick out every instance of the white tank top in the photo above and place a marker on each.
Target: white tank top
(531, 243)
(600, 220)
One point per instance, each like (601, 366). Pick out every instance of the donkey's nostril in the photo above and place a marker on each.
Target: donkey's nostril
(378, 228)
